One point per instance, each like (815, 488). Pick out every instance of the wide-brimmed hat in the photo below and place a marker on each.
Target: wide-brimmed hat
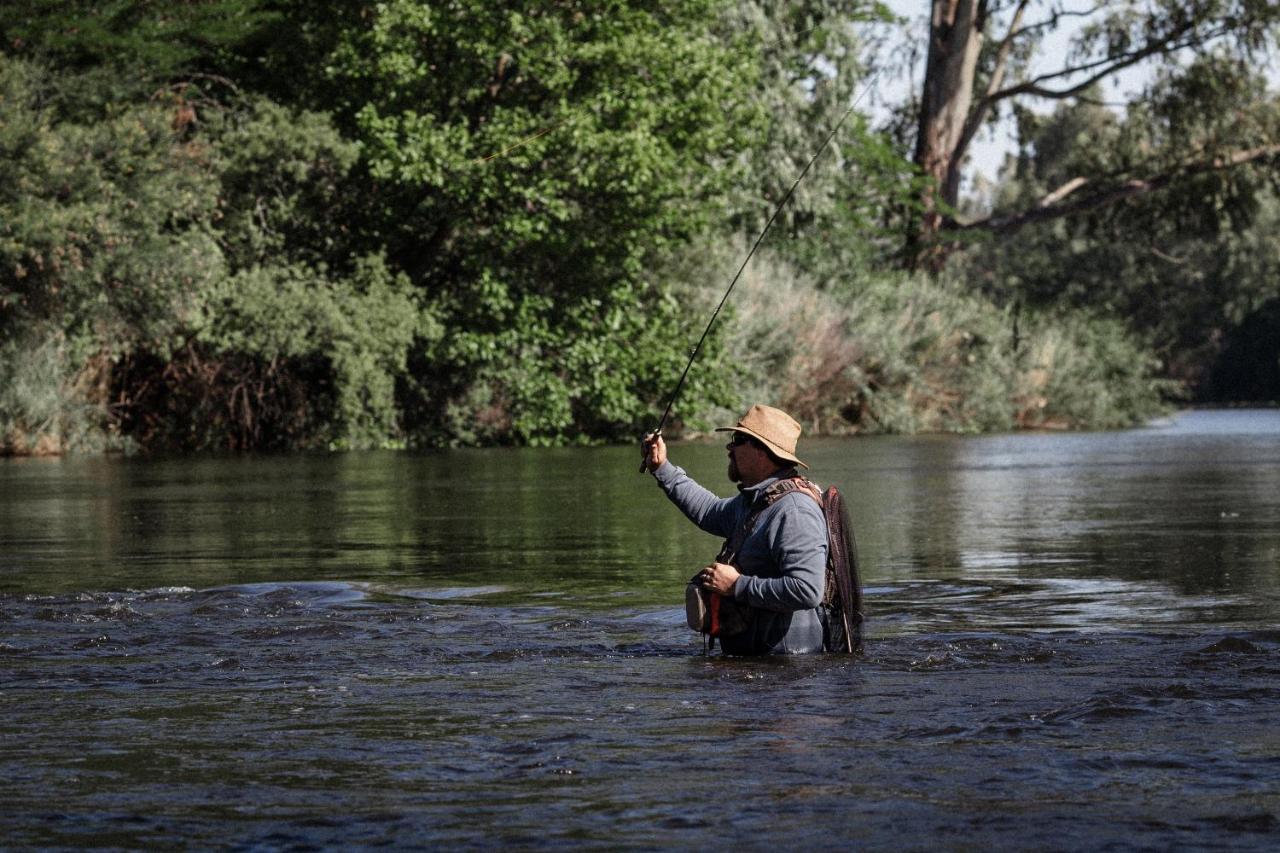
(774, 428)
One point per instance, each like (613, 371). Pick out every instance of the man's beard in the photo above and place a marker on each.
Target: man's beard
(734, 475)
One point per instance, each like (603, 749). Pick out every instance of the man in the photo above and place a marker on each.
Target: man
(775, 557)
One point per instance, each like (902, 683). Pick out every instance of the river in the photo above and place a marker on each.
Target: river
(1072, 645)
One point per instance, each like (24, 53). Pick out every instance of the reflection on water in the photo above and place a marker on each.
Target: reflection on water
(1073, 645)
(1193, 504)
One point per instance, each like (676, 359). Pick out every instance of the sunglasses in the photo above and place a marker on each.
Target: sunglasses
(739, 439)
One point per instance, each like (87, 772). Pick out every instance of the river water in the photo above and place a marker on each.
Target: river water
(1073, 644)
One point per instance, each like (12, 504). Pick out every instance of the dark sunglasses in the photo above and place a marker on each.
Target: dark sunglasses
(739, 438)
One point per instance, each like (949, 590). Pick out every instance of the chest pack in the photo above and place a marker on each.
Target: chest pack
(714, 615)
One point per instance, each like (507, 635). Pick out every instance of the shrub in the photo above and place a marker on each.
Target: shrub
(903, 353)
(180, 275)
(52, 401)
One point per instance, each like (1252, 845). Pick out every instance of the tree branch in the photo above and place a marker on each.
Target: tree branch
(978, 116)
(1047, 208)
(1052, 21)
(1106, 66)
(1062, 192)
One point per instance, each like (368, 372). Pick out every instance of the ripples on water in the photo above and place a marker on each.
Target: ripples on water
(1018, 692)
(338, 714)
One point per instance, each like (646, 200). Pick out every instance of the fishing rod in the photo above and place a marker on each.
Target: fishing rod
(671, 401)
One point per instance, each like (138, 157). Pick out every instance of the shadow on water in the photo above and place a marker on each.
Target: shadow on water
(1073, 647)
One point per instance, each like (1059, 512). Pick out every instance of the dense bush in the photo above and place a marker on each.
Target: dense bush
(240, 274)
(169, 286)
(1184, 268)
(892, 352)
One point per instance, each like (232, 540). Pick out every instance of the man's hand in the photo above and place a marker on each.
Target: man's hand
(655, 451)
(719, 577)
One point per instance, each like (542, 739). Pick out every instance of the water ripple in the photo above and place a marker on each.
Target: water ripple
(182, 701)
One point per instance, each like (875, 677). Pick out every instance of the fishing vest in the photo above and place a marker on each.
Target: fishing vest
(715, 615)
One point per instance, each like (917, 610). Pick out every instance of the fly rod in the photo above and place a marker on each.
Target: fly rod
(671, 401)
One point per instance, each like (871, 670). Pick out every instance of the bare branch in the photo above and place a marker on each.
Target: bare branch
(1062, 192)
(982, 110)
(1239, 158)
(1106, 67)
(1005, 48)
(1052, 21)
(1047, 208)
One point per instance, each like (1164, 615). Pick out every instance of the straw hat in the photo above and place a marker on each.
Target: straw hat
(774, 428)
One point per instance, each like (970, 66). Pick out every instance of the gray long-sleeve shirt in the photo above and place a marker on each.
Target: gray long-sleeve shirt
(783, 562)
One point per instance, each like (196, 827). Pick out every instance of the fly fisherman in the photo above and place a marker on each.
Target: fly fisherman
(775, 555)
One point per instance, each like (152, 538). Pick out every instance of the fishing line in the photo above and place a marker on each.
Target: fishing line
(698, 346)
(524, 141)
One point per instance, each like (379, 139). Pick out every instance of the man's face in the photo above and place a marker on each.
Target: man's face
(747, 460)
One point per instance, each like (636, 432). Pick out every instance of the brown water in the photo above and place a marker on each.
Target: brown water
(1074, 644)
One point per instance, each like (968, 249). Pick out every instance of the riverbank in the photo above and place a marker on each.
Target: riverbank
(894, 355)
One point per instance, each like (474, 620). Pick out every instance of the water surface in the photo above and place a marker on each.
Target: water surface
(1073, 645)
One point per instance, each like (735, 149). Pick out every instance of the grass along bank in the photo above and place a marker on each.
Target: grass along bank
(902, 353)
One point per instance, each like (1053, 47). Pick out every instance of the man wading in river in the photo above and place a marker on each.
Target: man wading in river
(774, 561)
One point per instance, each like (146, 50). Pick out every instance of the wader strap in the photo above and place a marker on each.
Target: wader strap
(763, 501)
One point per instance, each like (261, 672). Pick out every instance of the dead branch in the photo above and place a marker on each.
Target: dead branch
(1062, 192)
(1047, 208)
(1052, 21)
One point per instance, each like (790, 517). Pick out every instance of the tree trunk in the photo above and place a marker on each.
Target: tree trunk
(955, 40)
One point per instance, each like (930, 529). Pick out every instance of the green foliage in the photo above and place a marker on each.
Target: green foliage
(115, 53)
(529, 285)
(536, 161)
(180, 279)
(240, 223)
(1182, 267)
(555, 375)
(288, 186)
(48, 401)
(104, 226)
(142, 39)
(362, 326)
(847, 209)
(1081, 370)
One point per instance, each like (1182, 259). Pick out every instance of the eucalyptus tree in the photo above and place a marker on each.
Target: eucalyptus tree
(987, 57)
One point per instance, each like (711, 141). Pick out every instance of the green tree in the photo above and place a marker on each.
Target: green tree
(534, 311)
(813, 60)
(117, 51)
(528, 166)
(979, 62)
(106, 225)
(1184, 267)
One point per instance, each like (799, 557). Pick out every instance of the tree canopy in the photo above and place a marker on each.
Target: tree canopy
(286, 224)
